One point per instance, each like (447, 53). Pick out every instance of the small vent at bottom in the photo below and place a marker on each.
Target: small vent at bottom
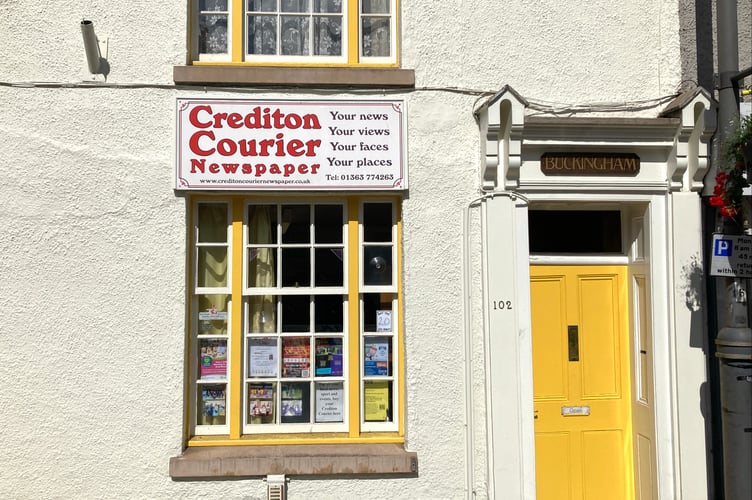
(276, 492)
(275, 487)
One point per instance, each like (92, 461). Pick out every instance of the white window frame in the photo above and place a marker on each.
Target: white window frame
(277, 291)
(201, 429)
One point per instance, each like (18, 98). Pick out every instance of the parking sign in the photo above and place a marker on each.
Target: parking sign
(732, 256)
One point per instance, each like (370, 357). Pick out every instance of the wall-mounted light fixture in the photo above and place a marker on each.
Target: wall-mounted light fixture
(91, 46)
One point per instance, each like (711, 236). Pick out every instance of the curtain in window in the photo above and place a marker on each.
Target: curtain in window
(261, 271)
(212, 263)
(375, 28)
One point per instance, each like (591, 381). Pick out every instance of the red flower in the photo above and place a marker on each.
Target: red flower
(728, 211)
(716, 201)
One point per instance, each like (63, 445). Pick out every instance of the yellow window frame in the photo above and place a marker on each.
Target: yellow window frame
(235, 379)
(237, 56)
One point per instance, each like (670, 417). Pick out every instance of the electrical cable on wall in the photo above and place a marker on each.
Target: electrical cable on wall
(542, 107)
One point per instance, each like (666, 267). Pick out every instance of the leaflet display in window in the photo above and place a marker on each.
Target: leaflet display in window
(261, 403)
(330, 402)
(329, 357)
(376, 355)
(296, 357)
(263, 360)
(212, 405)
(296, 399)
(212, 314)
(213, 359)
(376, 400)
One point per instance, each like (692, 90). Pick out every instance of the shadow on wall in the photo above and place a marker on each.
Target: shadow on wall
(692, 283)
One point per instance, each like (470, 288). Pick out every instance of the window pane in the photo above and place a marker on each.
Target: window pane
(294, 6)
(574, 231)
(327, 36)
(329, 267)
(261, 402)
(327, 5)
(378, 356)
(328, 223)
(262, 5)
(212, 223)
(262, 224)
(296, 357)
(376, 37)
(263, 357)
(212, 314)
(212, 37)
(212, 5)
(296, 267)
(330, 402)
(296, 399)
(377, 222)
(212, 267)
(329, 362)
(295, 35)
(328, 313)
(262, 310)
(377, 397)
(261, 267)
(212, 359)
(296, 313)
(262, 35)
(375, 6)
(296, 224)
(377, 312)
(211, 404)
(377, 265)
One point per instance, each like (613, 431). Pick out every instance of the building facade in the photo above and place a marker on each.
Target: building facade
(358, 249)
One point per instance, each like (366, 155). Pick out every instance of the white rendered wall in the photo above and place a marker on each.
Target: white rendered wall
(92, 295)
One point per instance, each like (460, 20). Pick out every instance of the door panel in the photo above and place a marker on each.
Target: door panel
(551, 373)
(581, 382)
(599, 324)
(643, 417)
(554, 453)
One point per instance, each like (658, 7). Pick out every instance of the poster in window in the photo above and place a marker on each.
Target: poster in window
(330, 402)
(261, 403)
(377, 356)
(376, 398)
(329, 357)
(262, 357)
(212, 405)
(295, 402)
(213, 359)
(296, 357)
(383, 321)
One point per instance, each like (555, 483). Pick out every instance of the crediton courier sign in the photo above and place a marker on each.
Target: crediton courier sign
(252, 145)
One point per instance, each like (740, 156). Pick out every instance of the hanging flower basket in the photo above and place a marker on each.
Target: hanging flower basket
(730, 180)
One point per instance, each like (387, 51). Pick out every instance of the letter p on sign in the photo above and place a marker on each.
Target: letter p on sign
(722, 248)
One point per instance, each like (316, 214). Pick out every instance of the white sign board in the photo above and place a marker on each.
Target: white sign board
(732, 256)
(234, 144)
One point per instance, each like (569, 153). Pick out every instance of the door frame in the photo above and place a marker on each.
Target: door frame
(509, 358)
(635, 255)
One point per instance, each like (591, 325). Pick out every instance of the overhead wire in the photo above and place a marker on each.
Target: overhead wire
(536, 105)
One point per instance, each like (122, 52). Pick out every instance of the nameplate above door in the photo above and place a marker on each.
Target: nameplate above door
(603, 164)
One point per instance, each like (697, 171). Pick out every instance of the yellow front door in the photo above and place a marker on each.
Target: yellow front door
(583, 442)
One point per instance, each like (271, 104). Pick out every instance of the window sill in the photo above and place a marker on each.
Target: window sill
(294, 460)
(266, 76)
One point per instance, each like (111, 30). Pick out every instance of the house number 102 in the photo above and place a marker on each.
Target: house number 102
(500, 305)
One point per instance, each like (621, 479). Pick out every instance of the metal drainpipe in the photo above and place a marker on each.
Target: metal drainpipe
(728, 116)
